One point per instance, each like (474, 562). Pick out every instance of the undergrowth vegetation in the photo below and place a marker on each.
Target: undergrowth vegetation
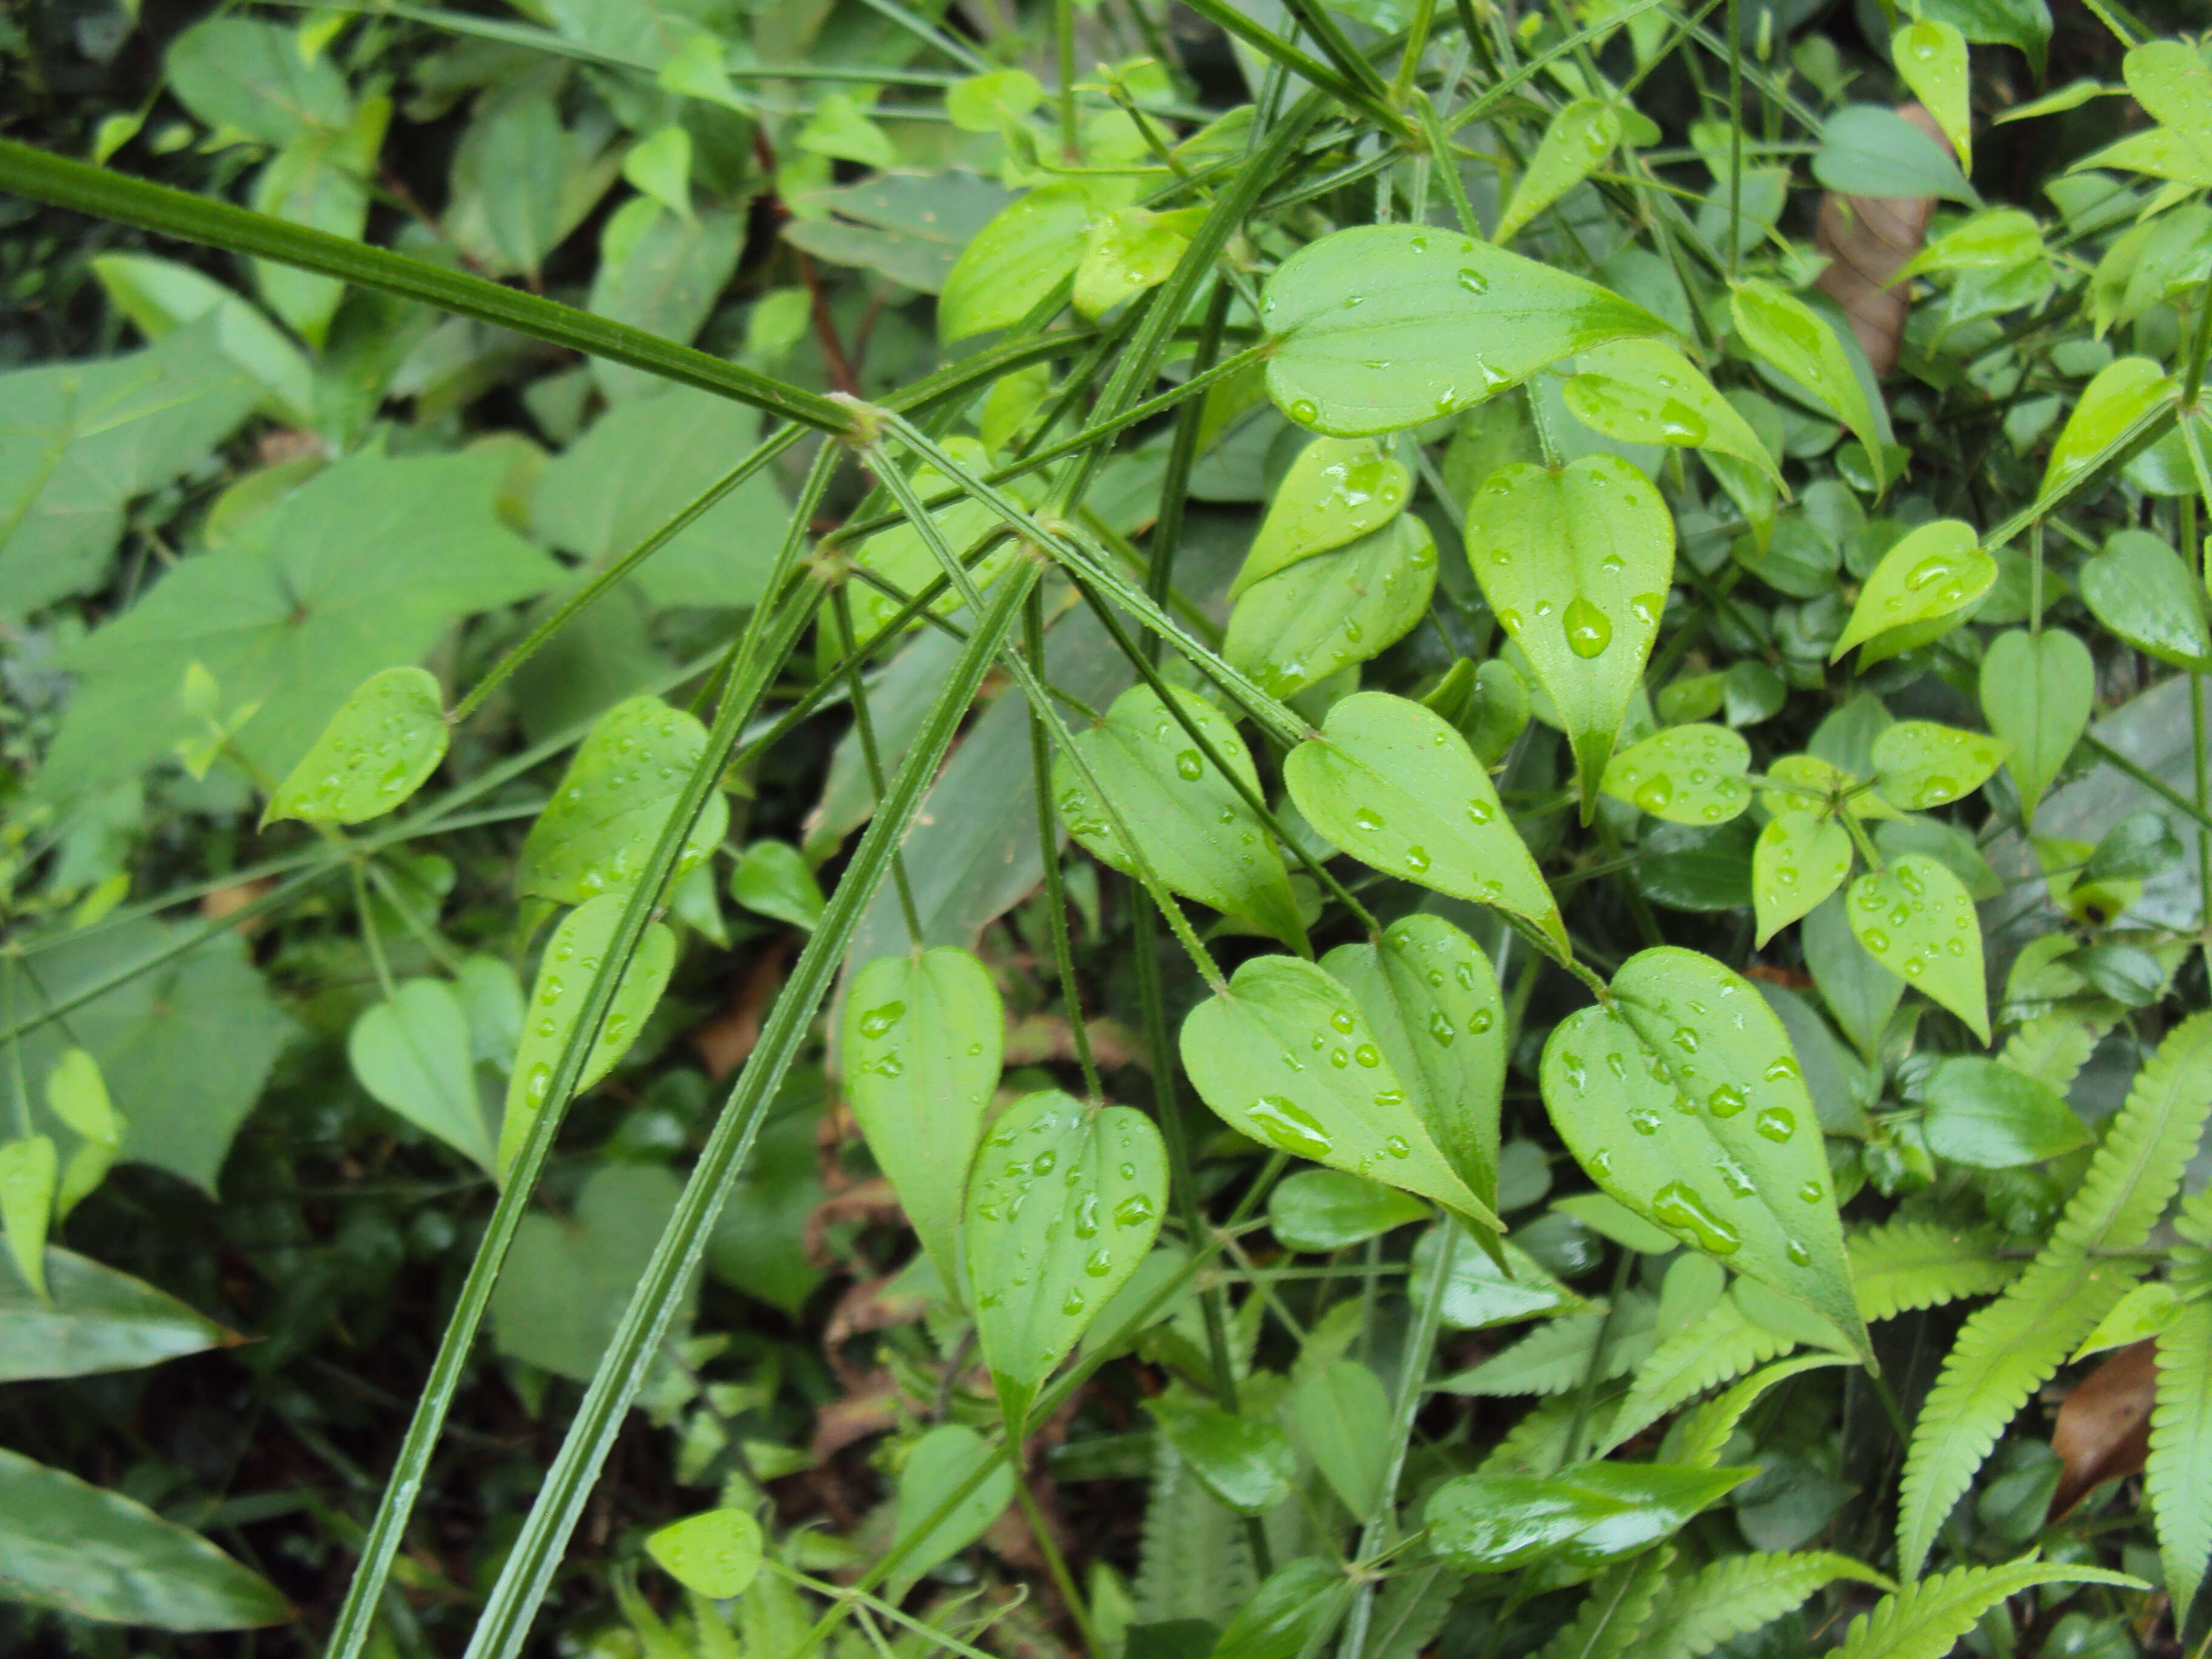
(1224, 830)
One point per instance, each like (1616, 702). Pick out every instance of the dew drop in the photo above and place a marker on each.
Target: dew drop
(1776, 1123)
(1589, 631)
(1677, 1204)
(1189, 767)
(1726, 1101)
(1288, 1127)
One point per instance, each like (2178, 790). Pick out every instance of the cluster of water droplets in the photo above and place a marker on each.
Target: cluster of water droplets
(1904, 905)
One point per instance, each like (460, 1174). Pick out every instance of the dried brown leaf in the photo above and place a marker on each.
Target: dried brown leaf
(2104, 1428)
(1868, 239)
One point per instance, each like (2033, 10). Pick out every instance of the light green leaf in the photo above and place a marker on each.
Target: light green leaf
(365, 566)
(1690, 1073)
(1385, 326)
(1431, 998)
(1340, 1416)
(2139, 587)
(1028, 250)
(979, 103)
(69, 1546)
(840, 128)
(379, 748)
(2036, 692)
(1065, 1202)
(1934, 571)
(1992, 1117)
(1645, 392)
(1999, 239)
(413, 1054)
(1931, 56)
(1245, 1462)
(1799, 859)
(315, 180)
(2125, 392)
(510, 164)
(940, 1461)
(1285, 1056)
(1799, 342)
(564, 974)
(772, 879)
(2143, 1313)
(919, 1045)
(30, 1170)
(1328, 612)
(2170, 80)
(1699, 1437)
(77, 1093)
(911, 227)
(596, 832)
(93, 1319)
(1487, 1287)
(1394, 786)
(2179, 1472)
(716, 1554)
(1916, 919)
(661, 273)
(1316, 1210)
(1685, 775)
(1919, 763)
(1190, 824)
(1733, 1596)
(1901, 1266)
(1127, 251)
(1337, 491)
(1869, 150)
(1581, 1517)
(568, 1279)
(1924, 1620)
(1574, 146)
(252, 77)
(1577, 563)
(659, 165)
(161, 296)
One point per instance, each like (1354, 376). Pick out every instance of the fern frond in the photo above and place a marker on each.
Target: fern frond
(1553, 1357)
(1925, 1619)
(1697, 1438)
(1537, 1442)
(1901, 1266)
(1193, 1563)
(2053, 1047)
(2010, 1349)
(1716, 1348)
(2179, 1472)
(1616, 1612)
(1735, 1595)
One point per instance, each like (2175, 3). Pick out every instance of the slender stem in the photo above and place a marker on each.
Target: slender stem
(1056, 1564)
(864, 728)
(1047, 823)
(1063, 43)
(1594, 1371)
(1409, 60)
(2035, 579)
(2150, 780)
(1733, 23)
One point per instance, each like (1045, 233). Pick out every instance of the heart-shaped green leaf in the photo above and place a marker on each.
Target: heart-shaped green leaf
(1285, 1056)
(1644, 391)
(1064, 1203)
(1330, 610)
(2139, 587)
(1395, 787)
(597, 832)
(1931, 56)
(1316, 1210)
(1029, 248)
(1384, 326)
(1935, 571)
(773, 879)
(1431, 999)
(379, 748)
(1685, 775)
(940, 1463)
(1799, 859)
(2037, 691)
(920, 1043)
(1577, 564)
(717, 1554)
(413, 1054)
(1684, 1101)
(1337, 491)
(1920, 763)
(1792, 338)
(1916, 919)
(1574, 146)
(2125, 394)
(564, 976)
(1581, 1517)
(1190, 824)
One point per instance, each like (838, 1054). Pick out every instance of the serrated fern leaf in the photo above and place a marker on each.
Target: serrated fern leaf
(1697, 1438)
(1554, 1357)
(1193, 1563)
(1714, 1349)
(1901, 1266)
(1925, 1619)
(2010, 1349)
(1736, 1595)
(2053, 1047)
(2179, 1472)
(1616, 1612)
(1537, 1442)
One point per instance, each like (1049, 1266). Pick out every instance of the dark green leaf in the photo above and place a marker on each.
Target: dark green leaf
(567, 1279)
(94, 1319)
(1583, 1516)
(1985, 1114)
(1317, 1211)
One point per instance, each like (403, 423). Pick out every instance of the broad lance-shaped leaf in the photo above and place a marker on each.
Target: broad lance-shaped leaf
(413, 1054)
(1934, 572)
(1064, 1203)
(379, 748)
(597, 832)
(1384, 326)
(1645, 392)
(564, 977)
(1575, 145)
(1931, 56)
(1792, 338)
(30, 1169)
(2036, 692)
(1397, 787)
(1192, 827)
(1799, 859)
(1925, 1619)
(1431, 998)
(1686, 1102)
(1916, 919)
(2125, 394)
(1337, 491)
(1685, 775)
(1334, 609)
(920, 1043)
(1285, 1057)
(96, 1320)
(1577, 564)
(2179, 1470)
(1581, 1517)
